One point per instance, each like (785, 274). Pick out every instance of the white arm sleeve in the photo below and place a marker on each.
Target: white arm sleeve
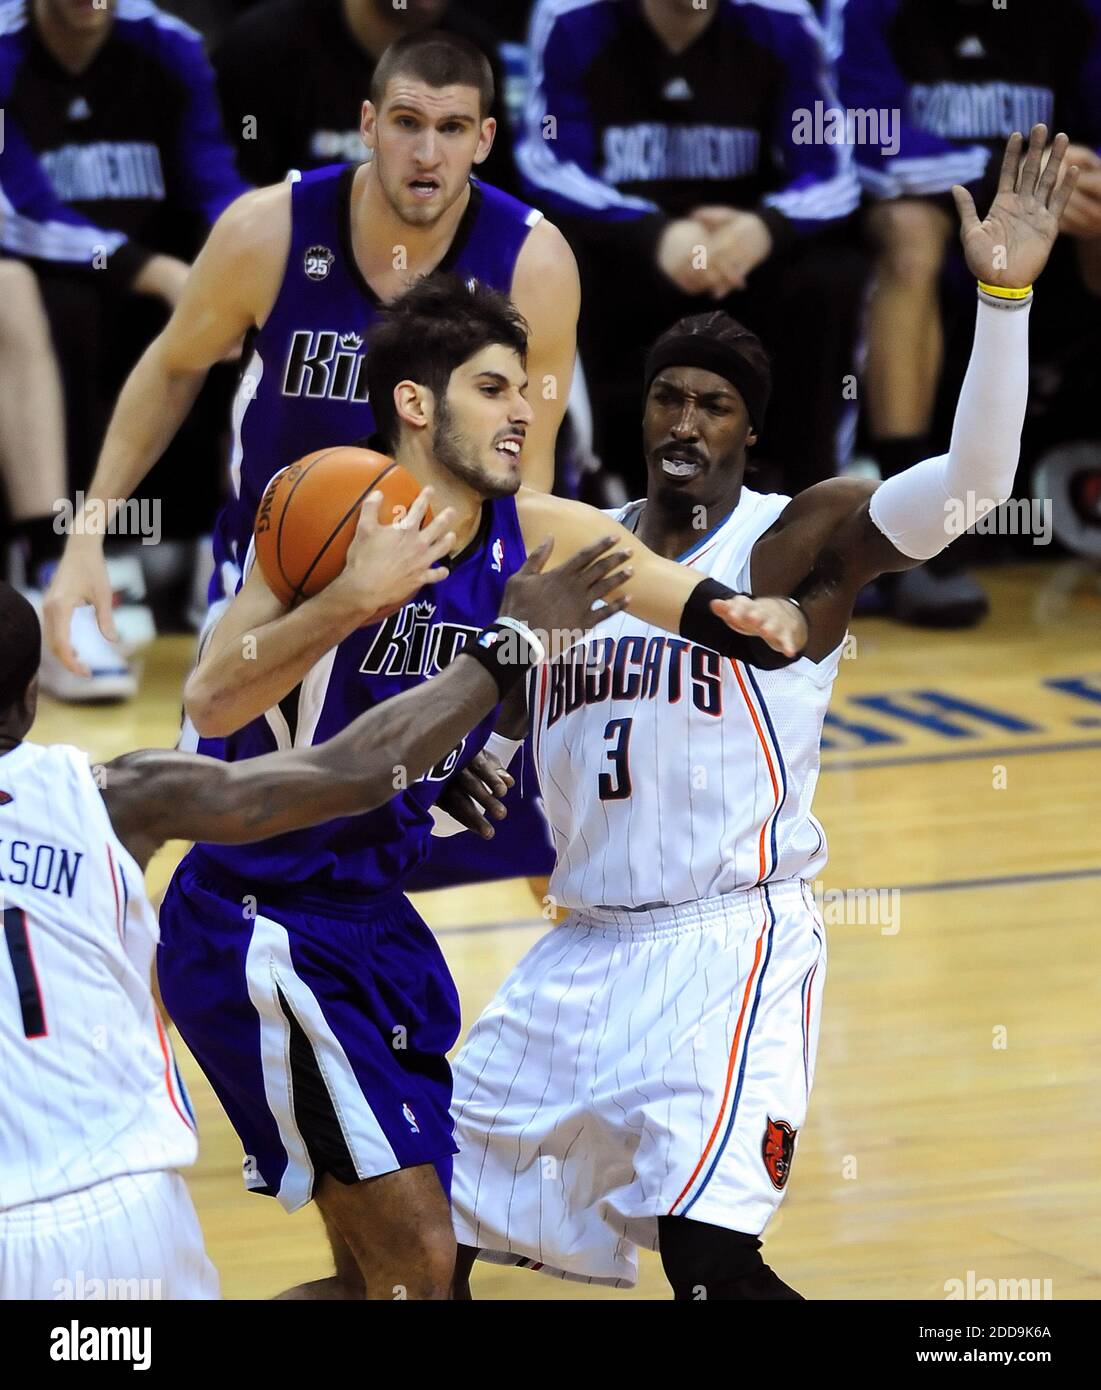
(504, 749)
(924, 508)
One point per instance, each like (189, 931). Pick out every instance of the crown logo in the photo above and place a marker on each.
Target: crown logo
(351, 340)
(424, 609)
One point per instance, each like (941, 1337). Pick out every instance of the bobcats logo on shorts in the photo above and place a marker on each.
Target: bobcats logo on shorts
(777, 1148)
(317, 262)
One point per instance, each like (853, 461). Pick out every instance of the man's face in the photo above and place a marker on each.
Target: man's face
(425, 141)
(415, 14)
(81, 16)
(478, 427)
(694, 431)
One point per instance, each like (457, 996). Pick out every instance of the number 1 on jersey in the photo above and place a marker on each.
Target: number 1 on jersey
(617, 786)
(22, 965)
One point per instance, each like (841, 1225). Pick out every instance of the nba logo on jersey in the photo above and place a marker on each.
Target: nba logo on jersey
(317, 262)
(498, 554)
(410, 1118)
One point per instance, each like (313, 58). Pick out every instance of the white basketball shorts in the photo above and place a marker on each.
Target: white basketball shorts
(632, 1069)
(130, 1237)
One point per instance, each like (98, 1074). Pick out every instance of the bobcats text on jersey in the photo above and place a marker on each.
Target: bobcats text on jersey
(634, 667)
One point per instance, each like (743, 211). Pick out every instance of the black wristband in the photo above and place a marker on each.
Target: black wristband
(699, 624)
(505, 653)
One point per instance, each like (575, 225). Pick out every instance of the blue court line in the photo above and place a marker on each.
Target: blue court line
(952, 885)
(1021, 750)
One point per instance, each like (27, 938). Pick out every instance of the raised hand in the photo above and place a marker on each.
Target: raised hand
(1011, 245)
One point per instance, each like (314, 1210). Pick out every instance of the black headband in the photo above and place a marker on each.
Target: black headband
(722, 358)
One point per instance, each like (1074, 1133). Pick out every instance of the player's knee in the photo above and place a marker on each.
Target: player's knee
(706, 1263)
(912, 237)
(426, 1267)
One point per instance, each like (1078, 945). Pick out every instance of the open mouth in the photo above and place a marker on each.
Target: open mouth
(509, 449)
(424, 188)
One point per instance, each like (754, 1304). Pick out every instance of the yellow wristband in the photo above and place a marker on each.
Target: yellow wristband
(1000, 291)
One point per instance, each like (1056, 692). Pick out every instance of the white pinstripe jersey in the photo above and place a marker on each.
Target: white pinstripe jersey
(88, 1085)
(669, 773)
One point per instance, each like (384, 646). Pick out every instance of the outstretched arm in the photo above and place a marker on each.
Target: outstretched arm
(154, 794)
(766, 632)
(852, 532)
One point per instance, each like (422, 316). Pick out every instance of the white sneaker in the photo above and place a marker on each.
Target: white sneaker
(112, 676)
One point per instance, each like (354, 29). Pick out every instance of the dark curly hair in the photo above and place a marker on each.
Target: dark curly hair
(436, 326)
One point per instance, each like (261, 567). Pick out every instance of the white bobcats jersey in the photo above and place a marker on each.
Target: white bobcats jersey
(88, 1085)
(670, 773)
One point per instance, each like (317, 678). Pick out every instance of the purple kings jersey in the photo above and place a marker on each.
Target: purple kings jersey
(304, 385)
(359, 856)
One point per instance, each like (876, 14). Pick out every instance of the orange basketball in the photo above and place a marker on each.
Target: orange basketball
(309, 512)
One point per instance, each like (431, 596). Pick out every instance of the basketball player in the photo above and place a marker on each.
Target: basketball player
(307, 987)
(641, 1077)
(303, 269)
(94, 1119)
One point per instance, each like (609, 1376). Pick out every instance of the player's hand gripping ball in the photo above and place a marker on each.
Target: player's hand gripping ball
(309, 511)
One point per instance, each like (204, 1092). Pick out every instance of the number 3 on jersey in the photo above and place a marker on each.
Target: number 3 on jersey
(616, 785)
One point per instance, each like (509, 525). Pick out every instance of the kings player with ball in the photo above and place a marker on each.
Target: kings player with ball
(307, 987)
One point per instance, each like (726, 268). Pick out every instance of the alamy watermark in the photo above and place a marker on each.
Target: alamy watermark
(76, 1343)
(982, 516)
(117, 516)
(860, 907)
(82, 1289)
(972, 1287)
(847, 125)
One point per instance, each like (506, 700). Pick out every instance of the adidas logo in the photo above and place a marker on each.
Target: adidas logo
(971, 47)
(677, 89)
(79, 110)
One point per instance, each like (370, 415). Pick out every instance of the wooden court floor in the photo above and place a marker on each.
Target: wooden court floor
(955, 1128)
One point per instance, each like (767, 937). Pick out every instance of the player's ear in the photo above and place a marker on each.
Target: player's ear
(485, 140)
(368, 122)
(751, 438)
(413, 404)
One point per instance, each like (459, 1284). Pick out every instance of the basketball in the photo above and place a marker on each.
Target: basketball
(309, 512)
